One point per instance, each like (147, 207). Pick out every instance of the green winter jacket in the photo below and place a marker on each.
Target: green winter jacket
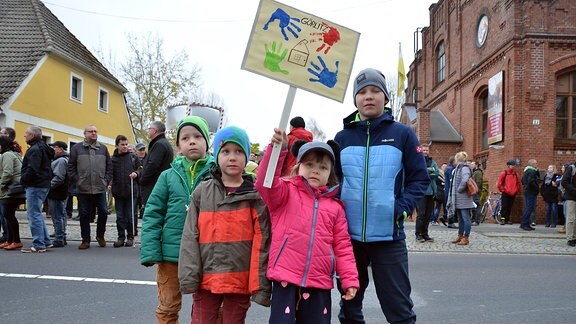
(166, 210)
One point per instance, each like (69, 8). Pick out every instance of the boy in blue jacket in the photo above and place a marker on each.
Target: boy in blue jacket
(384, 176)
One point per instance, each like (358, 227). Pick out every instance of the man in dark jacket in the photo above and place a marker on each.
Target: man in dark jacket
(124, 191)
(531, 189)
(36, 177)
(425, 207)
(59, 192)
(90, 168)
(160, 154)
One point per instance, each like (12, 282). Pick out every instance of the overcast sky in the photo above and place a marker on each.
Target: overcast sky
(215, 34)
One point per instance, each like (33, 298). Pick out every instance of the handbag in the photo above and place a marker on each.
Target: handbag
(15, 189)
(471, 187)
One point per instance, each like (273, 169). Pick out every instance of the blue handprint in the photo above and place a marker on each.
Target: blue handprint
(285, 23)
(325, 76)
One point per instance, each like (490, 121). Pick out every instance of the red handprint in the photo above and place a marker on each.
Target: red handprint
(330, 37)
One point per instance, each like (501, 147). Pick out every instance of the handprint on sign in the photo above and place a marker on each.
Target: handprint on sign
(324, 75)
(286, 22)
(273, 58)
(329, 38)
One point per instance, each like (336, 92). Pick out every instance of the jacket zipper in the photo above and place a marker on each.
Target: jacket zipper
(312, 234)
(365, 190)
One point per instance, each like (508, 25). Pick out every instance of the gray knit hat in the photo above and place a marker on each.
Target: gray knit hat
(368, 77)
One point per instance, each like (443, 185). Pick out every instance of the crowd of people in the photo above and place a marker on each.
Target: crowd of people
(212, 228)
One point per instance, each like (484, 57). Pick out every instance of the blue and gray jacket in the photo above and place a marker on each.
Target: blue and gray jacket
(383, 176)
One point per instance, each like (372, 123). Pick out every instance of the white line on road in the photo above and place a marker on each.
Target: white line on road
(66, 278)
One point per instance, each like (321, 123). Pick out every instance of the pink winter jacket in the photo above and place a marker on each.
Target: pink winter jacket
(310, 240)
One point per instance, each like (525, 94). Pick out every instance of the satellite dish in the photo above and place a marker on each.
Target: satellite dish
(213, 115)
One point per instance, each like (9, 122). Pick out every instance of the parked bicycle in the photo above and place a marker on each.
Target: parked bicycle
(492, 207)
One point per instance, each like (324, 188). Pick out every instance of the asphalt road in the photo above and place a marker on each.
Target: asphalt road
(71, 286)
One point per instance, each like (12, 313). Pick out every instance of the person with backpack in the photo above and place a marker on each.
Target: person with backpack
(460, 204)
(59, 192)
(478, 177)
(531, 189)
(509, 185)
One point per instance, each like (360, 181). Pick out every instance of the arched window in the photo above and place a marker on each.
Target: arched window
(440, 62)
(566, 105)
(482, 101)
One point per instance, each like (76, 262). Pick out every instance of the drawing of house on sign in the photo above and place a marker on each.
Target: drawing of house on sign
(299, 54)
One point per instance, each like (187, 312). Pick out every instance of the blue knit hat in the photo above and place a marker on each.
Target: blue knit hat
(368, 77)
(232, 134)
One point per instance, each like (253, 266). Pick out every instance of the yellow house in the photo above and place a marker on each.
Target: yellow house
(49, 79)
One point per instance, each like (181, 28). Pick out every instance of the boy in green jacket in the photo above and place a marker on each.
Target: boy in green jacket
(166, 211)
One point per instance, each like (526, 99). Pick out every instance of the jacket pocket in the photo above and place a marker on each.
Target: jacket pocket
(281, 250)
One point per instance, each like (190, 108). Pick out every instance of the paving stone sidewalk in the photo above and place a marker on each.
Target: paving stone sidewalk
(486, 238)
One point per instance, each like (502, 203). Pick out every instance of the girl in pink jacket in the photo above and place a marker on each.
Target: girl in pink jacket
(310, 242)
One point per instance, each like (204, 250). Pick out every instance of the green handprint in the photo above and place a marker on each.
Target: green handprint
(273, 58)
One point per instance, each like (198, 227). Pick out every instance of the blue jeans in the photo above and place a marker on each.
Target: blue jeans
(124, 220)
(464, 223)
(389, 264)
(58, 219)
(35, 197)
(86, 204)
(529, 207)
(552, 213)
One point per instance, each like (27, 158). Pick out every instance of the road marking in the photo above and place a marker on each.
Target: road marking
(85, 279)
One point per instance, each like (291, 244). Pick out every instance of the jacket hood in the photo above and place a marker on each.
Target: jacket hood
(529, 167)
(354, 118)
(44, 147)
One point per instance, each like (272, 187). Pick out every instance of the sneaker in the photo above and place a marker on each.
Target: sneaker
(129, 243)
(443, 221)
(434, 223)
(420, 238)
(117, 244)
(84, 245)
(526, 228)
(562, 229)
(533, 224)
(58, 244)
(77, 218)
(572, 243)
(101, 241)
(428, 238)
(33, 250)
(452, 226)
(475, 223)
(49, 246)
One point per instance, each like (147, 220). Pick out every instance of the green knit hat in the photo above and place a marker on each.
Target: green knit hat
(199, 123)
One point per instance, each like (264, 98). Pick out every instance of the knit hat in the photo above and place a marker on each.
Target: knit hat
(370, 77)
(232, 134)
(199, 123)
(297, 122)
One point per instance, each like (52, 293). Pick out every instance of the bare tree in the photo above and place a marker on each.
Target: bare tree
(314, 128)
(395, 102)
(154, 81)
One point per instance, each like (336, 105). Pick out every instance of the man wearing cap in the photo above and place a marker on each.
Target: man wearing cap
(297, 132)
(383, 176)
(160, 154)
(509, 185)
(59, 192)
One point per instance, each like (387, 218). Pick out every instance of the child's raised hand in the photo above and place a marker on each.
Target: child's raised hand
(350, 293)
(280, 137)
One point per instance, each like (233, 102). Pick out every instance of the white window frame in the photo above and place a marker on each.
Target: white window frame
(103, 107)
(81, 87)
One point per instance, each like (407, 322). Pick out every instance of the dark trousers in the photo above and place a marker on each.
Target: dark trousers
(87, 203)
(293, 304)
(124, 220)
(13, 228)
(507, 202)
(425, 209)
(529, 208)
(389, 263)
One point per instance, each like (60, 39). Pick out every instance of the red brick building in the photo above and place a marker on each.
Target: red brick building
(497, 79)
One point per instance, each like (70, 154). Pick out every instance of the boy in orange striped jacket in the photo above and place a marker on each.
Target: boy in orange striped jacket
(226, 238)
